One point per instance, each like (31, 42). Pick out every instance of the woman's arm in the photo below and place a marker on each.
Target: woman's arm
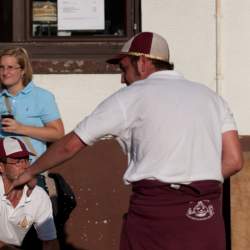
(51, 132)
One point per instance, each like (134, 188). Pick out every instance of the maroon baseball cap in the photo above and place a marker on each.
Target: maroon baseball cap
(149, 44)
(13, 148)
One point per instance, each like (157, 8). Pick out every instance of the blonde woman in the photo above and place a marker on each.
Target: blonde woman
(35, 111)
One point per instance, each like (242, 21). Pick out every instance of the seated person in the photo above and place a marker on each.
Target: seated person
(20, 211)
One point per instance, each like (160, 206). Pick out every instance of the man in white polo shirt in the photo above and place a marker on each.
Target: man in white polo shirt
(181, 141)
(20, 212)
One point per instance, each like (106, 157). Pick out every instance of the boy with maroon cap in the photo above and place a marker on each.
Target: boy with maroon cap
(181, 140)
(19, 212)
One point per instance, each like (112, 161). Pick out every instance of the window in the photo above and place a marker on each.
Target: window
(57, 48)
(97, 18)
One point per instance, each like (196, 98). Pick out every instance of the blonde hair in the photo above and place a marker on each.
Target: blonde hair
(23, 60)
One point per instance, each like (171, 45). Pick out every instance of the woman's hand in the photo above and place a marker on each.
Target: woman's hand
(11, 125)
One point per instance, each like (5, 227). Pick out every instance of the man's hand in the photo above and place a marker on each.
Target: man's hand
(24, 178)
(4, 246)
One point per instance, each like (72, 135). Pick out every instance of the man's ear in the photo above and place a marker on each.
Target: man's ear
(1, 168)
(145, 67)
(141, 65)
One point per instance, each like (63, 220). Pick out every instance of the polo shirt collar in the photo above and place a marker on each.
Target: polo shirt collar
(166, 73)
(25, 199)
(27, 89)
(2, 189)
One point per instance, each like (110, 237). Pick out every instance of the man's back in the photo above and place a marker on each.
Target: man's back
(175, 126)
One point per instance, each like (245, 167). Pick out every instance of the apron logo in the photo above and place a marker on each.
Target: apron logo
(202, 210)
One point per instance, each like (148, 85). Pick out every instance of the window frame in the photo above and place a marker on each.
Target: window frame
(64, 55)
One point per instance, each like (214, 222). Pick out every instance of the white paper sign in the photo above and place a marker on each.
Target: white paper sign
(81, 15)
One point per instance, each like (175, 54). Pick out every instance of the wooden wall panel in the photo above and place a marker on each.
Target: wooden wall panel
(240, 207)
(102, 198)
(240, 202)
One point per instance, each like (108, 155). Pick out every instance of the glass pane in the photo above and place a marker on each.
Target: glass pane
(5, 21)
(44, 20)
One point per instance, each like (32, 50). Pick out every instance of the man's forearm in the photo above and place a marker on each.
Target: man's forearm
(229, 170)
(59, 152)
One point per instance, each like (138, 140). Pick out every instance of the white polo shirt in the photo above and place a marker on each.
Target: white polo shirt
(16, 222)
(170, 127)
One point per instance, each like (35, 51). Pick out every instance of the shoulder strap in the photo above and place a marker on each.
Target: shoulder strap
(28, 143)
(25, 138)
(7, 104)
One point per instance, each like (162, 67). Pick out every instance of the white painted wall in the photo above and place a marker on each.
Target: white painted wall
(236, 82)
(189, 27)
(77, 95)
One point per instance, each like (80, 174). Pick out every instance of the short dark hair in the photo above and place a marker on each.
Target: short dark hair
(3, 159)
(134, 60)
(159, 65)
(162, 65)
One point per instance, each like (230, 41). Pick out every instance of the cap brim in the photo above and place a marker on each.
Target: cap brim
(20, 155)
(116, 59)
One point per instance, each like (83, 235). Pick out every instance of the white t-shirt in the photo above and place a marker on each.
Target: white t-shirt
(170, 127)
(16, 222)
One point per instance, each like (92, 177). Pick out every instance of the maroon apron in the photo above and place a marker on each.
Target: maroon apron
(174, 217)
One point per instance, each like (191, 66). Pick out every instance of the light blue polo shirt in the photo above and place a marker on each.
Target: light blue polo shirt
(32, 106)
